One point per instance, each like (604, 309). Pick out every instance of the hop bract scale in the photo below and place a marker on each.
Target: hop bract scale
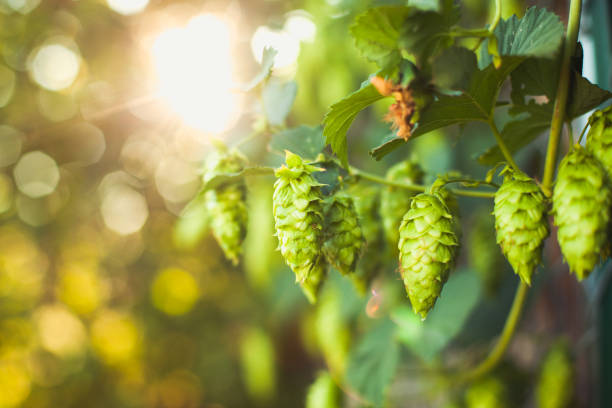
(226, 204)
(395, 201)
(298, 217)
(581, 207)
(343, 235)
(599, 138)
(428, 247)
(520, 221)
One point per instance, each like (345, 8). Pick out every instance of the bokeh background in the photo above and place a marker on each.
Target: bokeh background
(108, 298)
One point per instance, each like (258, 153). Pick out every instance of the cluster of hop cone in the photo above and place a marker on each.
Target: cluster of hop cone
(315, 232)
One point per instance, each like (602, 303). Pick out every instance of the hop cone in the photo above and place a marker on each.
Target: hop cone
(323, 393)
(520, 221)
(367, 200)
(556, 384)
(599, 138)
(344, 238)
(226, 205)
(395, 201)
(428, 246)
(581, 202)
(483, 252)
(298, 219)
(487, 393)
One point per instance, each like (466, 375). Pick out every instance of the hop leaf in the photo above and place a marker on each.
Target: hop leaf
(367, 200)
(395, 201)
(487, 393)
(226, 205)
(599, 138)
(520, 221)
(298, 218)
(428, 247)
(556, 383)
(344, 238)
(581, 203)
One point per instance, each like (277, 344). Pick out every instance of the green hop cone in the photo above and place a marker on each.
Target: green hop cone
(483, 252)
(343, 235)
(487, 393)
(298, 219)
(226, 205)
(556, 384)
(599, 138)
(395, 201)
(581, 203)
(428, 247)
(520, 222)
(323, 393)
(367, 200)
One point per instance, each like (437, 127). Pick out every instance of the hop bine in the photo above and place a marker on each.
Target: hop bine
(227, 203)
(343, 235)
(428, 247)
(298, 218)
(520, 222)
(581, 206)
(395, 201)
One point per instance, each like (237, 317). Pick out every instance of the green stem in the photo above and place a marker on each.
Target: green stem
(502, 145)
(583, 132)
(416, 187)
(569, 47)
(494, 23)
(570, 133)
(499, 350)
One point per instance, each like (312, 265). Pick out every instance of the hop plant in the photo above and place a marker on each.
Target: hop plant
(483, 252)
(581, 202)
(599, 138)
(367, 200)
(226, 205)
(556, 383)
(487, 393)
(395, 201)
(520, 222)
(428, 247)
(298, 218)
(344, 238)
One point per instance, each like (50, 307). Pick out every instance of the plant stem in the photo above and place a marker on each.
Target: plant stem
(583, 132)
(499, 350)
(494, 23)
(502, 145)
(569, 47)
(416, 187)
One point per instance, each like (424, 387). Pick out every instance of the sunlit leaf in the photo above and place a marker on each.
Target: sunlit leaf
(278, 99)
(267, 62)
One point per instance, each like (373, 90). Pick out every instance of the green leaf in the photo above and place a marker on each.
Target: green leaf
(278, 99)
(532, 121)
(584, 96)
(331, 177)
(340, 116)
(427, 338)
(267, 62)
(373, 362)
(227, 178)
(377, 31)
(305, 141)
(538, 34)
(454, 68)
(425, 33)
(389, 144)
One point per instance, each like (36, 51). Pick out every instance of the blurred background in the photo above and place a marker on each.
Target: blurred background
(108, 298)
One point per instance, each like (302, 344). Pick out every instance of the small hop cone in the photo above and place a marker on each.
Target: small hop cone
(227, 204)
(520, 222)
(581, 203)
(298, 219)
(556, 383)
(344, 238)
(599, 138)
(367, 201)
(487, 393)
(428, 247)
(395, 201)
